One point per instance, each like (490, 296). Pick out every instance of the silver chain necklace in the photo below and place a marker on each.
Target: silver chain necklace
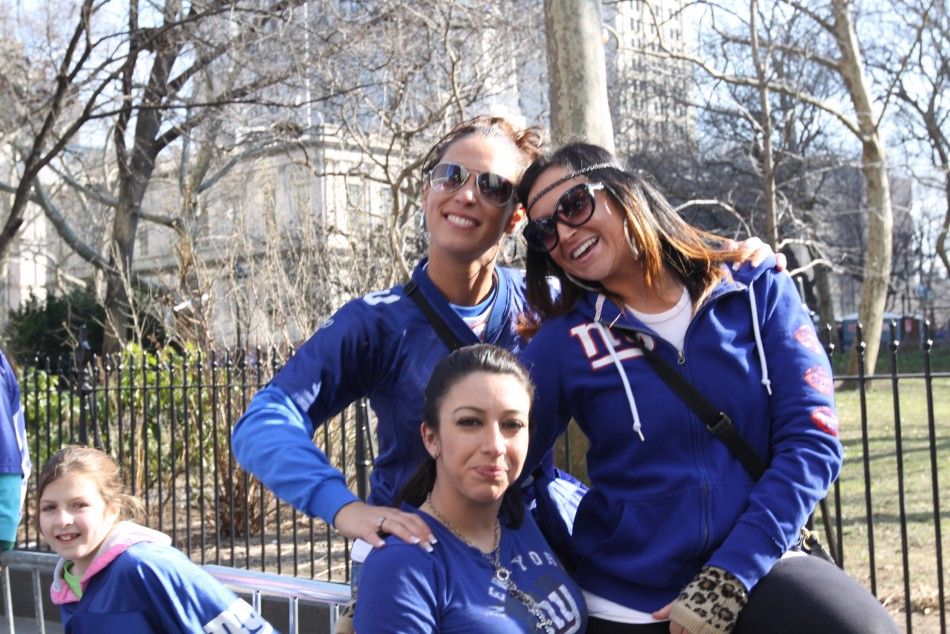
(502, 574)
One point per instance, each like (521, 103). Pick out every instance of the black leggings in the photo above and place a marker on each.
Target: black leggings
(800, 594)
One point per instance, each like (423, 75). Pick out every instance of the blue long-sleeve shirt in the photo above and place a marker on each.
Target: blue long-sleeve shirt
(379, 346)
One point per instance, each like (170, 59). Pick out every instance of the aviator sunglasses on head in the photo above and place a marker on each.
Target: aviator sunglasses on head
(573, 208)
(448, 177)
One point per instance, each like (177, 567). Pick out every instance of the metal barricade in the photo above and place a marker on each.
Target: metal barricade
(256, 584)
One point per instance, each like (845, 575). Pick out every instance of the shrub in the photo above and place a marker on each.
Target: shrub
(51, 327)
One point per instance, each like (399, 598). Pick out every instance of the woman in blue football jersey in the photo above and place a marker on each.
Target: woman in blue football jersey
(381, 346)
(492, 570)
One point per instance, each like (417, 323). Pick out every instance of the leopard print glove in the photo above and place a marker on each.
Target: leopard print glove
(710, 603)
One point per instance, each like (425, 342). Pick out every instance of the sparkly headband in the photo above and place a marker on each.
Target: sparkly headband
(569, 177)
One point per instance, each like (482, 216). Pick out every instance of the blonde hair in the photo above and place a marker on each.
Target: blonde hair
(101, 468)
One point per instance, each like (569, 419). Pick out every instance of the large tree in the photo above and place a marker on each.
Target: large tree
(145, 79)
(577, 72)
(833, 46)
(923, 90)
(223, 92)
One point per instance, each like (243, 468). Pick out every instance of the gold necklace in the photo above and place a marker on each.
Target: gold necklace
(502, 574)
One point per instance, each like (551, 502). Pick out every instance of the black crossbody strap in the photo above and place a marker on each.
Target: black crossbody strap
(716, 421)
(441, 328)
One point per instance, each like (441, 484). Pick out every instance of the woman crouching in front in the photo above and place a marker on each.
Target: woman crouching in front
(491, 569)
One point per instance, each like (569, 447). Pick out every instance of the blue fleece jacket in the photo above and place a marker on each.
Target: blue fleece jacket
(662, 507)
(380, 346)
(14, 450)
(138, 583)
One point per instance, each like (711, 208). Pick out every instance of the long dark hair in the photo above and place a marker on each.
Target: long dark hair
(461, 363)
(663, 239)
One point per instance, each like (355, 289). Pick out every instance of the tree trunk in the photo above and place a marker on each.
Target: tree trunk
(118, 306)
(577, 72)
(942, 237)
(939, 143)
(765, 121)
(877, 263)
(826, 300)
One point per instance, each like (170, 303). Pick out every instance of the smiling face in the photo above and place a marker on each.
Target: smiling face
(482, 438)
(597, 250)
(75, 519)
(462, 224)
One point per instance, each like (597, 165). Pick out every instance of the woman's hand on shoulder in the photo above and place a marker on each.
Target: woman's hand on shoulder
(754, 251)
(370, 523)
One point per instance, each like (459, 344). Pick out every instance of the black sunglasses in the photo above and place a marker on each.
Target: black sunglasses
(448, 177)
(573, 208)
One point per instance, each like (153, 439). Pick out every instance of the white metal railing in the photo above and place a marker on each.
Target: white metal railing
(257, 584)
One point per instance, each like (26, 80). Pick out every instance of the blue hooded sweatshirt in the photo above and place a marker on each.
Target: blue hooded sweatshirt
(667, 497)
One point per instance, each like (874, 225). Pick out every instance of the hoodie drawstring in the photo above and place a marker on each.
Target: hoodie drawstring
(758, 341)
(637, 427)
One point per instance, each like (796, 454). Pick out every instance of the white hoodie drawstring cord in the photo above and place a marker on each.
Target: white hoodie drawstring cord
(637, 427)
(631, 402)
(758, 342)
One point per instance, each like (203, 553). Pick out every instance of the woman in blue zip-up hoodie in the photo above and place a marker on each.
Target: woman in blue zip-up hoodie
(675, 534)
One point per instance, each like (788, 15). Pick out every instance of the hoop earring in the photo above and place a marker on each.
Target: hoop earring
(577, 282)
(626, 235)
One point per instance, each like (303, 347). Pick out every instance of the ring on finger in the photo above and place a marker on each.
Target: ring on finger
(379, 522)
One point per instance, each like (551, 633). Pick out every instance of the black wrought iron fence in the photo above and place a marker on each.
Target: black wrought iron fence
(167, 416)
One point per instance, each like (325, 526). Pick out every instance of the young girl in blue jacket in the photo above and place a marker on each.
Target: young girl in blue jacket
(114, 576)
(676, 534)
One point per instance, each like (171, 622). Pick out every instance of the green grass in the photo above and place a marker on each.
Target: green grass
(885, 499)
(885, 492)
(908, 361)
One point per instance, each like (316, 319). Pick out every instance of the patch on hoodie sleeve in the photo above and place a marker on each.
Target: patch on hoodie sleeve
(239, 617)
(825, 419)
(820, 380)
(805, 335)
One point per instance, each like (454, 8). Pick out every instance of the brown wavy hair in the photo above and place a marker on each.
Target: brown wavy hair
(528, 141)
(662, 238)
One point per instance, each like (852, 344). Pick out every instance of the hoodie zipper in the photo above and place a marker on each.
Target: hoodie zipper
(681, 360)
